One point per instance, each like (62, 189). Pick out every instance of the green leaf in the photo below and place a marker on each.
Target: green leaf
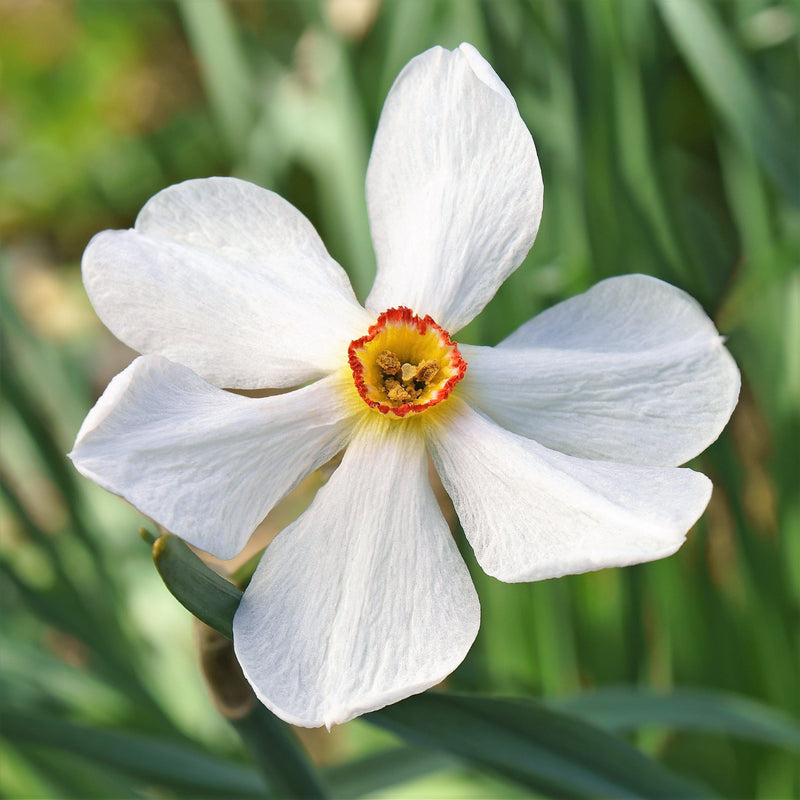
(372, 773)
(54, 608)
(165, 763)
(279, 755)
(212, 35)
(545, 750)
(35, 677)
(723, 72)
(40, 429)
(197, 588)
(214, 600)
(629, 708)
(71, 777)
(525, 741)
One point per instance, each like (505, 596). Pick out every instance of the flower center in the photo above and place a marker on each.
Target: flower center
(405, 364)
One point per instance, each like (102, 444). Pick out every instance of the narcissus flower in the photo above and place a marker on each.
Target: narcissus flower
(559, 447)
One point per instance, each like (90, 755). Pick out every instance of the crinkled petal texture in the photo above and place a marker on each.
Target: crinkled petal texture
(532, 513)
(631, 371)
(364, 599)
(207, 464)
(228, 279)
(454, 189)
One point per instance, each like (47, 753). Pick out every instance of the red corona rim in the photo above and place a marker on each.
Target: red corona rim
(402, 325)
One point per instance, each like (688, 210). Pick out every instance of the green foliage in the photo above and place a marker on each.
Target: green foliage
(164, 763)
(208, 596)
(628, 708)
(544, 750)
(667, 134)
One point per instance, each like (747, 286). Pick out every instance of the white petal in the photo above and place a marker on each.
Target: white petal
(206, 464)
(363, 600)
(454, 189)
(631, 371)
(531, 513)
(229, 280)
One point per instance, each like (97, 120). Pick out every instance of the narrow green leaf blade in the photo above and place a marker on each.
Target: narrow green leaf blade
(73, 778)
(527, 742)
(214, 601)
(166, 763)
(197, 588)
(628, 708)
(723, 73)
(543, 749)
(379, 771)
(212, 35)
(279, 755)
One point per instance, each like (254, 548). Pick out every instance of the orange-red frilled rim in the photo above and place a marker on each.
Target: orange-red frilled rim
(405, 364)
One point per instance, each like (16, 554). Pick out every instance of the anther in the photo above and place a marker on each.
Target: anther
(405, 364)
(389, 363)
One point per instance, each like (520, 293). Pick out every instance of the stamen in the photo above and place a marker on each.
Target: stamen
(405, 364)
(388, 362)
(427, 371)
(395, 392)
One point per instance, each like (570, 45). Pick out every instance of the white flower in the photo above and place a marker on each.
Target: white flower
(559, 447)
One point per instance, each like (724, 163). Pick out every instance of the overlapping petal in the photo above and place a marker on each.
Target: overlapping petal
(228, 279)
(364, 599)
(559, 448)
(454, 189)
(631, 371)
(531, 513)
(207, 464)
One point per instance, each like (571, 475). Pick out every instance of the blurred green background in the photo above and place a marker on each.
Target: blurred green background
(668, 137)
